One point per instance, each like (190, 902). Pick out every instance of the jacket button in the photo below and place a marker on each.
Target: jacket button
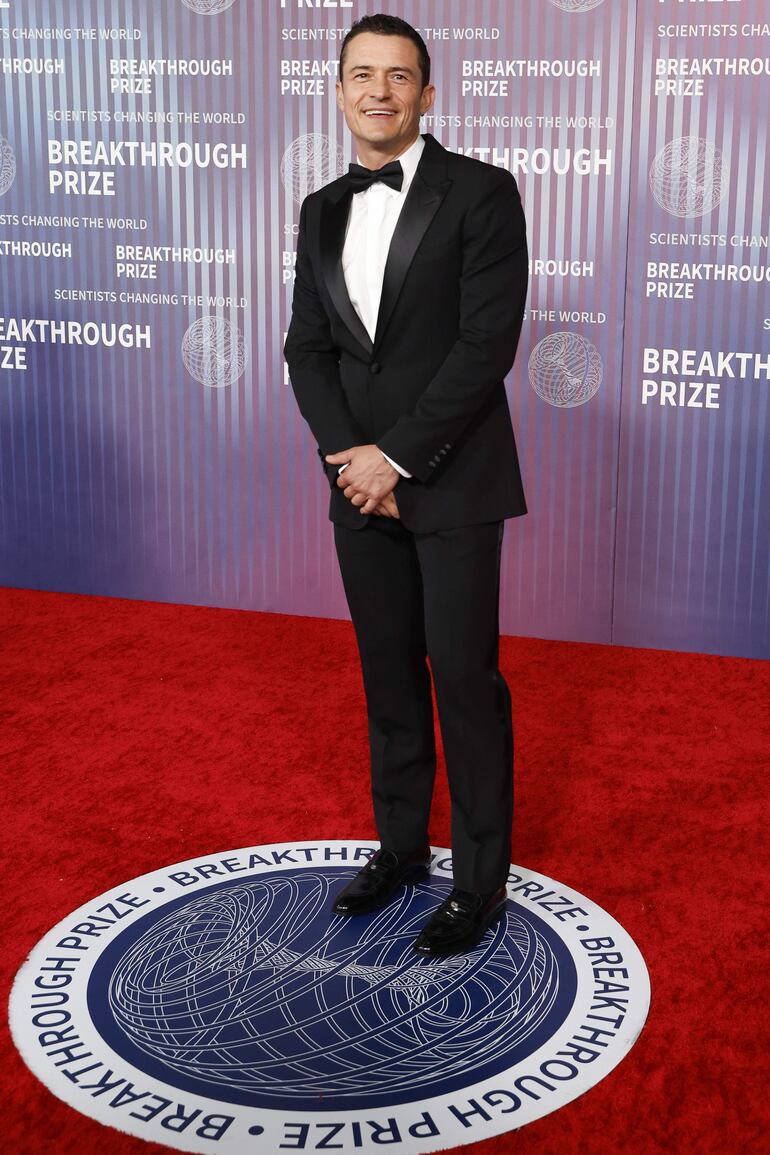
(374, 367)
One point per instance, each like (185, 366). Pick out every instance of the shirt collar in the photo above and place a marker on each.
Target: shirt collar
(409, 161)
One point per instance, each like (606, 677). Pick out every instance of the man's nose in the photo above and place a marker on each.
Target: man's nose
(380, 88)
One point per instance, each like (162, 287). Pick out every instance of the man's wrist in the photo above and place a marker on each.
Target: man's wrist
(396, 466)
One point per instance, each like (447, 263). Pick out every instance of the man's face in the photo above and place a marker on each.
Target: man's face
(381, 93)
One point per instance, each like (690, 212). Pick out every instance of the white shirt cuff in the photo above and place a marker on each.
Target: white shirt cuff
(395, 465)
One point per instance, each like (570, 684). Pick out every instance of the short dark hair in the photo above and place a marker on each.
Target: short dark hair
(385, 25)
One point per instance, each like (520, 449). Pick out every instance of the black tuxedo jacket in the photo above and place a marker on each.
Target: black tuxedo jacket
(429, 389)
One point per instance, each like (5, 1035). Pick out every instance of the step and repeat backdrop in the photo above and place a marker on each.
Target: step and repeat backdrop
(153, 158)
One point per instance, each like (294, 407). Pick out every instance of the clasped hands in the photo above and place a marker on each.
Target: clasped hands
(369, 480)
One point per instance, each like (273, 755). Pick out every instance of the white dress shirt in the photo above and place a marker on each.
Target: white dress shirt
(372, 221)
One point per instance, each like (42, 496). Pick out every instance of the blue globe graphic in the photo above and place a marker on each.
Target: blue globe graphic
(254, 993)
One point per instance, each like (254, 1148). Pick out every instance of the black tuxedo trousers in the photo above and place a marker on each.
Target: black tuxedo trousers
(434, 595)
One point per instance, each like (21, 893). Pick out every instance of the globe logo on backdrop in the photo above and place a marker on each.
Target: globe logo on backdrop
(688, 177)
(577, 5)
(565, 370)
(309, 163)
(7, 166)
(312, 1008)
(218, 1003)
(208, 7)
(213, 352)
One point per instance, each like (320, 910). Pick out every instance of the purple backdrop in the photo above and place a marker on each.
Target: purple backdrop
(152, 161)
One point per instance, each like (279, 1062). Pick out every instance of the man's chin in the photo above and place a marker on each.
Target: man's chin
(379, 132)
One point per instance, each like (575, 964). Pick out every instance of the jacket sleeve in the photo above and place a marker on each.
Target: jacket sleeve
(493, 291)
(313, 361)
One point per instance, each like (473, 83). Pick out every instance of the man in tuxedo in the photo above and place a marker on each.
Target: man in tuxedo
(411, 280)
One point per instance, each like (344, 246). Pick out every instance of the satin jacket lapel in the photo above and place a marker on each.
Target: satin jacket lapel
(422, 201)
(334, 219)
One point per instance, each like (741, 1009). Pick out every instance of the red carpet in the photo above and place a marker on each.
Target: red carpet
(135, 735)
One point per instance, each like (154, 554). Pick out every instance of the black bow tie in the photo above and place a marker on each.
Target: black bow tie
(361, 178)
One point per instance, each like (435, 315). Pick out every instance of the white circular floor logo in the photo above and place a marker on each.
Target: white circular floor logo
(219, 1005)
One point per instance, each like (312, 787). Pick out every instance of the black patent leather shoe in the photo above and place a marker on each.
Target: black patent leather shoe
(384, 873)
(460, 922)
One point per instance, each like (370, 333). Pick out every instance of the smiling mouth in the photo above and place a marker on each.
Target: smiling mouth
(374, 112)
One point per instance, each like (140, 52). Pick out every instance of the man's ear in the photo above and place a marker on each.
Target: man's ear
(340, 97)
